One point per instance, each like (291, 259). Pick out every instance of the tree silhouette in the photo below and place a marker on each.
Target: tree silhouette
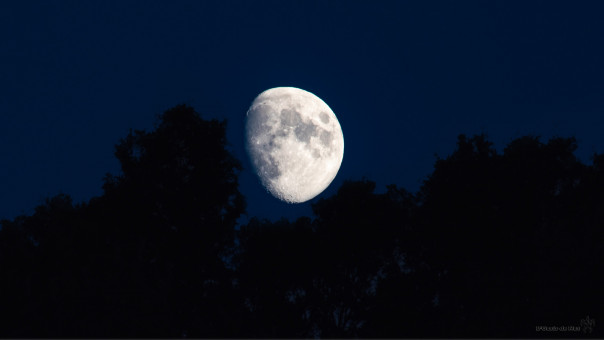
(320, 277)
(17, 261)
(358, 232)
(492, 245)
(494, 227)
(275, 267)
(148, 257)
(178, 195)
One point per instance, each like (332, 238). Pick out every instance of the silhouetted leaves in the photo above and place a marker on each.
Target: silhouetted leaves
(493, 245)
(146, 258)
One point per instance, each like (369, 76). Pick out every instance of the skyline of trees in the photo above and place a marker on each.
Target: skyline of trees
(492, 245)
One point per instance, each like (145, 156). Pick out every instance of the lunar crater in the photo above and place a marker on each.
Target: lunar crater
(324, 117)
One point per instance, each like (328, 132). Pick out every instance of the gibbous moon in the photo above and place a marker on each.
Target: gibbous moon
(295, 143)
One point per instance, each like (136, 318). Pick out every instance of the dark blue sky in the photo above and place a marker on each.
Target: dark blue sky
(404, 79)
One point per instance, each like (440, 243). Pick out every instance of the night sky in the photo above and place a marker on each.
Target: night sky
(404, 79)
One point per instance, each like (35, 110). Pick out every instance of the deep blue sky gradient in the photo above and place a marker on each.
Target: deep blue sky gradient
(404, 79)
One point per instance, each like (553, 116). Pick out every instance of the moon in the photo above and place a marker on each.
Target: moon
(295, 143)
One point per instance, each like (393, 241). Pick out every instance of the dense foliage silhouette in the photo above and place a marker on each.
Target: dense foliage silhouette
(492, 245)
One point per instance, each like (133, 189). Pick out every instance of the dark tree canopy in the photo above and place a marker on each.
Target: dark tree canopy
(507, 235)
(492, 245)
(145, 259)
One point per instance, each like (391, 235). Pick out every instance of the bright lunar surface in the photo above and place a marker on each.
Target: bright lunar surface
(295, 143)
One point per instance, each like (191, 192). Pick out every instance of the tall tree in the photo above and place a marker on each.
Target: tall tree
(502, 232)
(179, 201)
(148, 258)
